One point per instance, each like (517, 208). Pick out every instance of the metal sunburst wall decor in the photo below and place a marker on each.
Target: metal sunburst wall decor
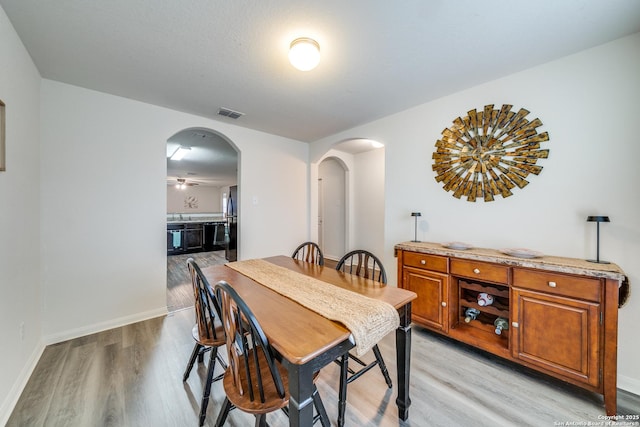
(488, 153)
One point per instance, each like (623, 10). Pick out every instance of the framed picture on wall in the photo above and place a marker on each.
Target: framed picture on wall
(191, 202)
(2, 137)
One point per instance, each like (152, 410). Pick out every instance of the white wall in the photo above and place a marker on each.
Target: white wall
(588, 102)
(209, 199)
(369, 201)
(103, 225)
(20, 289)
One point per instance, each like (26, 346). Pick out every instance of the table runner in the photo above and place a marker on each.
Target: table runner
(369, 320)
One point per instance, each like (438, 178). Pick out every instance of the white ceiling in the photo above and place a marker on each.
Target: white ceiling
(378, 56)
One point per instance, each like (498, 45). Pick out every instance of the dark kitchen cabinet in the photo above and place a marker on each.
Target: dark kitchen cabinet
(193, 237)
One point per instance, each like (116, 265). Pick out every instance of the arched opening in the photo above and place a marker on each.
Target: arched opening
(362, 164)
(202, 207)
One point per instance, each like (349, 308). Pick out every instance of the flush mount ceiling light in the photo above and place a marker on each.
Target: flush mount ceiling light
(180, 152)
(304, 53)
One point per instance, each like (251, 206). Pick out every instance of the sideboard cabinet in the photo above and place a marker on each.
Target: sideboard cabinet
(555, 315)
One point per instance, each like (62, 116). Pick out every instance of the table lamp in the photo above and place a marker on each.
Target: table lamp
(598, 220)
(415, 215)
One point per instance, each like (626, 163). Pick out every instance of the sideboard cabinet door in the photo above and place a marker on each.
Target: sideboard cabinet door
(431, 307)
(557, 333)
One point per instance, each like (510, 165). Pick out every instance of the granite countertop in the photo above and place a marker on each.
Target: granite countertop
(197, 220)
(550, 263)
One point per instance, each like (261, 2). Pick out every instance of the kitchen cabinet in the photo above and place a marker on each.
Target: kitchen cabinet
(193, 237)
(556, 315)
(174, 238)
(214, 235)
(185, 237)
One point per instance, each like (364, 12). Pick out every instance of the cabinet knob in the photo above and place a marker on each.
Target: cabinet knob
(515, 324)
(552, 284)
(476, 270)
(444, 304)
(423, 261)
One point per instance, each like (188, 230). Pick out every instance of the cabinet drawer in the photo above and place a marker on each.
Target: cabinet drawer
(558, 284)
(480, 270)
(426, 261)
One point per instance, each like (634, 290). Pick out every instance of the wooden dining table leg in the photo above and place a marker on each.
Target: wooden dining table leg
(403, 359)
(300, 395)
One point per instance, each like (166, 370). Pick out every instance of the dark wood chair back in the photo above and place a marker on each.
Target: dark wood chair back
(309, 252)
(207, 332)
(254, 382)
(363, 263)
(206, 307)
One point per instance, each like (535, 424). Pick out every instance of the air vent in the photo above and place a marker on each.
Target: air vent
(229, 113)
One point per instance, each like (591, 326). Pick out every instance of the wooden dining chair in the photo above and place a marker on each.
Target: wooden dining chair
(364, 264)
(254, 382)
(309, 252)
(208, 332)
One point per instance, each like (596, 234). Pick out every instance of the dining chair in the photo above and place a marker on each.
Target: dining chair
(364, 264)
(309, 252)
(254, 382)
(208, 332)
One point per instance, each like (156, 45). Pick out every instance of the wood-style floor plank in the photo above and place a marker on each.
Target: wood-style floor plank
(132, 376)
(179, 291)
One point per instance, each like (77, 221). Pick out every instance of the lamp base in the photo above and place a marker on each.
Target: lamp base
(416, 241)
(598, 261)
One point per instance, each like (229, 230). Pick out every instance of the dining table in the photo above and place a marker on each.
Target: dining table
(305, 341)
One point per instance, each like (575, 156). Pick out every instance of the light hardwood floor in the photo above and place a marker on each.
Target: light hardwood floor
(132, 376)
(179, 289)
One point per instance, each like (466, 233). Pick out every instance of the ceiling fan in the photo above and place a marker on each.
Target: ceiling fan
(182, 183)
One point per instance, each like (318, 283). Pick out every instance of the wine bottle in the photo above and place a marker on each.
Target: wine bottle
(471, 314)
(484, 299)
(501, 324)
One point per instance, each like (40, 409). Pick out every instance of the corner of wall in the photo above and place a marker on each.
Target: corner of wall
(629, 384)
(16, 390)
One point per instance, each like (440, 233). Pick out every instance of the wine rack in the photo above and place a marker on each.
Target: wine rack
(483, 325)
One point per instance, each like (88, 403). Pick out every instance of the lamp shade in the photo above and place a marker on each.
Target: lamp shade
(304, 53)
(598, 219)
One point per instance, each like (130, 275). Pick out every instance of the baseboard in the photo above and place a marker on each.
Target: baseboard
(14, 394)
(631, 385)
(103, 326)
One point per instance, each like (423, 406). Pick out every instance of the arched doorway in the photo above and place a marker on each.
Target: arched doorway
(201, 204)
(362, 164)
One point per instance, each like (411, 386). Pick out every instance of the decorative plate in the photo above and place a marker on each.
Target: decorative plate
(522, 253)
(461, 246)
(488, 153)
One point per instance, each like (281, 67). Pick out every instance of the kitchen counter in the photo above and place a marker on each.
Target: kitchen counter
(202, 233)
(198, 220)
